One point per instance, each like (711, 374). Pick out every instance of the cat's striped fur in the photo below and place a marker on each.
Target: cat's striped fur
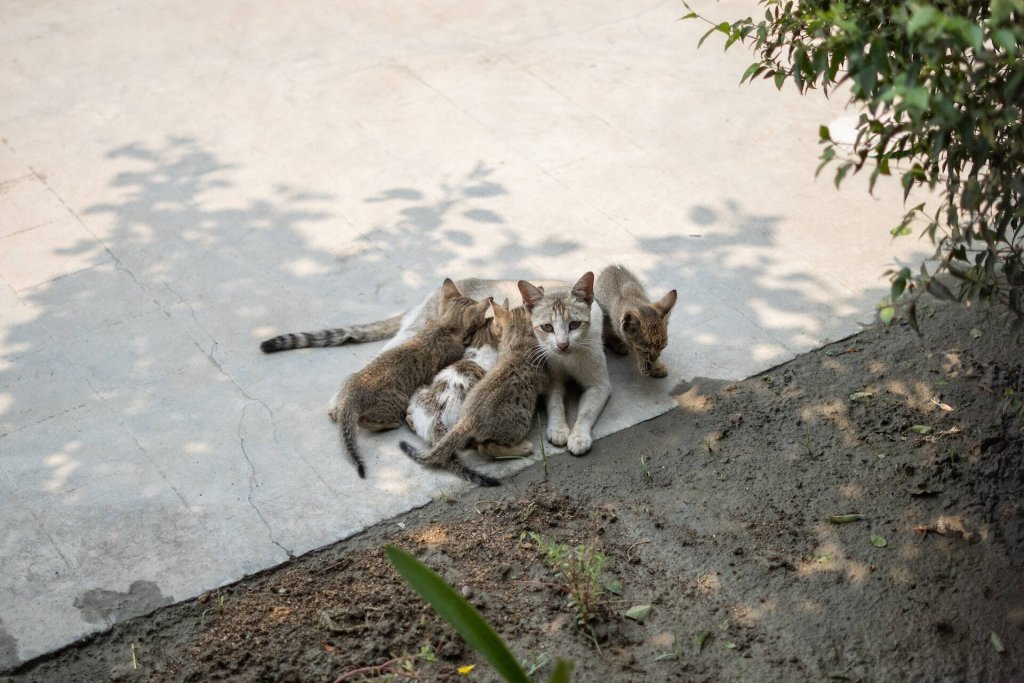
(376, 397)
(498, 412)
(633, 324)
(365, 332)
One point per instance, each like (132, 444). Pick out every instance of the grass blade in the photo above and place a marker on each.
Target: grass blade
(563, 671)
(463, 617)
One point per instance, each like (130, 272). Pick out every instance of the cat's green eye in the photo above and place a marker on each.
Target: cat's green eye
(575, 325)
(547, 327)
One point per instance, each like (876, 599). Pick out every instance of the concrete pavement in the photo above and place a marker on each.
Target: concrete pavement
(179, 180)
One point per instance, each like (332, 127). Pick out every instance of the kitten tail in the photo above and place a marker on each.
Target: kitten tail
(450, 462)
(347, 427)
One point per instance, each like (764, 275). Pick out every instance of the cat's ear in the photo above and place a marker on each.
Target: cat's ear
(501, 313)
(664, 305)
(584, 288)
(480, 311)
(531, 295)
(449, 292)
(505, 304)
(630, 322)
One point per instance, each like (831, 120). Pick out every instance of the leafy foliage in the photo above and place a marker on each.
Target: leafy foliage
(940, 88)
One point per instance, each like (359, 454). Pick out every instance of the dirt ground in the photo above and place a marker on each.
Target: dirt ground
(716, 515)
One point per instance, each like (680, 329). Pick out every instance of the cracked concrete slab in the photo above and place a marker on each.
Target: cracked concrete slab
(181, 180)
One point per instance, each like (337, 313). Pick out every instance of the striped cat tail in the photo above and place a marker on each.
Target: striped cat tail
(443, 454)
(459, 468)
(353, 334)
(347, 420)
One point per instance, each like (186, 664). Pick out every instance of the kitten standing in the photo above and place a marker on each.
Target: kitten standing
(632, 323)
(435, 408)
(376, 397)
(498, 412)
(569, 334)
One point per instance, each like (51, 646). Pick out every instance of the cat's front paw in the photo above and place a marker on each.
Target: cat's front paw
(579, 443)
(558, 434)
(657, 369)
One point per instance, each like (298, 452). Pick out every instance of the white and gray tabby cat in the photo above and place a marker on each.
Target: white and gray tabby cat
(567, 325)
(377, 396)
(436, 407)
(498, 412)
(633, 324)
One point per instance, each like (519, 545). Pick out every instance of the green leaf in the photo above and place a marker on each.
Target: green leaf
(939, 290)
(462, 616)
(750, 72)
(975, 333)
(1005, 39)
(845, 519)
(700, 639)
(886, 314)
(614, 587)
(973, 36)
(878, 541)
(705, 36)
(922, 17)
(898, 286)
(861, 396)
(780, 78)
(562, 672)
(921, 429)
(901, 230)
(638, 612)
(691, 15)
(996, 643)
(824, 133)
(917, 98)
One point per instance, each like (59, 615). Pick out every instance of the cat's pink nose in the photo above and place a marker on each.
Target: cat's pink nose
(563, 345)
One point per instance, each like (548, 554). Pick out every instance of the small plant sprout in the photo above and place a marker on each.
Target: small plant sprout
(580, 568)
(645, 468)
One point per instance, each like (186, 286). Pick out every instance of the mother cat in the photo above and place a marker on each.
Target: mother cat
(566, 322)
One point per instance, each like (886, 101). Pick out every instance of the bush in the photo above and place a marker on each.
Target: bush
(940, 88)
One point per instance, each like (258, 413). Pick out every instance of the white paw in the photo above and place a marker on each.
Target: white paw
(579, 443)
(558, 434)
(332, 407)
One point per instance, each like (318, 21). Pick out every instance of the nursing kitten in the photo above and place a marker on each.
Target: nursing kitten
(376, 397)
(498, 411)
(634, 324)
(567, 325)
(435, 408)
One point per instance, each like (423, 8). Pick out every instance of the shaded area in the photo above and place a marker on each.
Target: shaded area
(100, 606)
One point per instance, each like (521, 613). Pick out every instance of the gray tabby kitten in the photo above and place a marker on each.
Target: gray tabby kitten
(435, 408)
(376, 397)
(568, 325)
(399, 328)
(632, 322)
(498, 412)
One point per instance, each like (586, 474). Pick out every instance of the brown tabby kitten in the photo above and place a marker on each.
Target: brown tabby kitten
(634, 324)
(498, 412)
(376, 397)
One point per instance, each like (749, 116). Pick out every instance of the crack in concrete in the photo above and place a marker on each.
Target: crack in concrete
(253, 485)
